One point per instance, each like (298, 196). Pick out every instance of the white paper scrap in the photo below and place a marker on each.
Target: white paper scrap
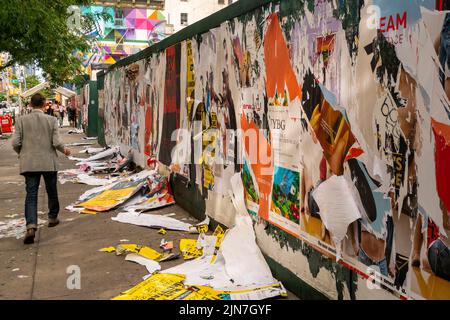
(152, 221)
(151, 265)
(337, 206)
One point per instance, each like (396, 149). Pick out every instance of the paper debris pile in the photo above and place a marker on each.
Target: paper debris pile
(225, 266)
(135, 193)
(222, 266)
(107, 161)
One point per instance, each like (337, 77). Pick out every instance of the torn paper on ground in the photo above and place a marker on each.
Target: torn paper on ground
(107, 154)
(143, 251)
(156, 287)
(189, 249)
(201, 227)
(75, 131)
(161, 286)
(75, 144)
(151, 265)
(92, 151)
(114, 196)
(15, 228)
(151, 221)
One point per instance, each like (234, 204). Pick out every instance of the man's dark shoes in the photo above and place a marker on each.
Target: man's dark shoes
(53, 222)
(29, 237)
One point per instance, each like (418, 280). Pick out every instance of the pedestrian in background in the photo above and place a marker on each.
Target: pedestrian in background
(56, 110)
(71, 113)
(62, 111)
(50, 109)
(36, 140)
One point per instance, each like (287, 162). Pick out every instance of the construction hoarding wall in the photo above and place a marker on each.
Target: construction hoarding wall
(336, 114)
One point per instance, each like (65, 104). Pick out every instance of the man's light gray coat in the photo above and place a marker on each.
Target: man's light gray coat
(36, 139)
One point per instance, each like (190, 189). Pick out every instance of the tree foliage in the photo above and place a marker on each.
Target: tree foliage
(32, 81)
(37, 31)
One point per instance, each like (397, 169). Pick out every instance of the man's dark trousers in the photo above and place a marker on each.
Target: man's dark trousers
(32, 181)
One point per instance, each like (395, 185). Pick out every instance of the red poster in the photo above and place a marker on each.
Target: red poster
(171, 117)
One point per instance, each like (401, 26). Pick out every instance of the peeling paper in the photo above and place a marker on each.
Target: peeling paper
(244, 262)
(337, 207)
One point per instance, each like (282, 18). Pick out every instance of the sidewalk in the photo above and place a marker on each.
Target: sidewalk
(76, 241)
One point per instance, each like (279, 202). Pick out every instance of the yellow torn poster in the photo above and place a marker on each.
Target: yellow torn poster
(188, 248)
(219, 234)
(162, 286)
(107, 199)
(113, 197)
(166, 286)
(256, 293)
(157, 287)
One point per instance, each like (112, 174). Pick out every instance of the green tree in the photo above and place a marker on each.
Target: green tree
(41, 32)
(32, 81)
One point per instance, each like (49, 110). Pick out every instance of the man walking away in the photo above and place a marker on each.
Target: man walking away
(36, 140)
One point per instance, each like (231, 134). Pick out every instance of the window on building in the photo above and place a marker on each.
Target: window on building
(184, 19)
(221, 1)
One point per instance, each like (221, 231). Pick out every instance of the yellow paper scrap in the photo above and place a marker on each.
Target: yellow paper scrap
(108, 249)
(163, 286)
(144, 251)
(226, 295)
(188, 248)
(87, 211)
(162, 231)
(219, 233)
(159, 286)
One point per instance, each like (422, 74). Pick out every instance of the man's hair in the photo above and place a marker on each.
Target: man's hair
(37, 100)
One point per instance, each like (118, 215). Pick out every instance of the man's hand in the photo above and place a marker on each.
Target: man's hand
(67, 151)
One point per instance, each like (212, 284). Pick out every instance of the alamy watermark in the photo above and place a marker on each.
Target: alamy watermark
(73, 281)
(224, 147)
(74, 20)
